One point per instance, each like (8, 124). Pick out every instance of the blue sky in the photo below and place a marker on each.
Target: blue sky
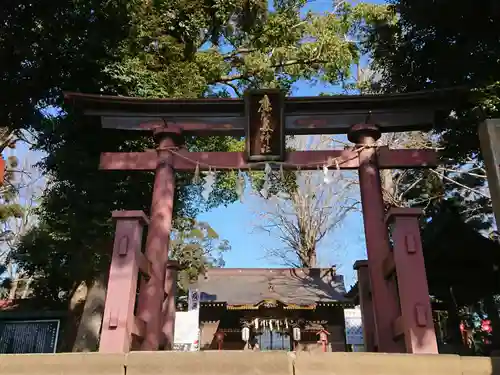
(236, 223)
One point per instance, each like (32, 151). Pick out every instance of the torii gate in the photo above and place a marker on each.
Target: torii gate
(397, 308)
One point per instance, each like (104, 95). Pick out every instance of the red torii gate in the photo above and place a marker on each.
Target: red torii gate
(393, 317)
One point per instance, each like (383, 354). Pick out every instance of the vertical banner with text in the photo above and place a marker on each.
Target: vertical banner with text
(354, 329)
(187, 325)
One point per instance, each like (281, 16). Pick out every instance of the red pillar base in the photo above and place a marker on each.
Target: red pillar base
(415, 322)
(119, 322)
(366, 304)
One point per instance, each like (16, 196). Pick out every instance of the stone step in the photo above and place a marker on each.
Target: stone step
(245, 363)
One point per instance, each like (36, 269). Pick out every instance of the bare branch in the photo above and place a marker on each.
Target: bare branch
(313, 210)
(475, 191)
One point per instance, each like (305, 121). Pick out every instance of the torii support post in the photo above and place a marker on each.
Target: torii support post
(169, 307)
(415, 322)
(385, 303)
(366, 304)
(151, 294)
(369, 160)
(119, 323)
(326, 115)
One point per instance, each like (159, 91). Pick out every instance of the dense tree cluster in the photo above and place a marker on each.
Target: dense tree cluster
(441, 44)
(190, 49)
(148, 49)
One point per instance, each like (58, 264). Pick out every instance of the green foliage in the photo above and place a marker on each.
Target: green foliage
(235, 44)
(196, 246)
(429, 44)
(443, 44)
(51, 44)
(10, 210)
(448, 242)
(175, 49)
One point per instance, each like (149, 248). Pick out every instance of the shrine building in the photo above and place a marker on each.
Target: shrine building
(271, 303)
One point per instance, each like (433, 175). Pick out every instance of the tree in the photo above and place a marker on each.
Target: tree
(230, 46)
(414, 53)
(196, 246)
(48, 45)
(306, 209)
(420, 50)
(222, 48)
(17, 195)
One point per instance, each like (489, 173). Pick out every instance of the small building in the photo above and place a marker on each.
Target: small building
(271, 303)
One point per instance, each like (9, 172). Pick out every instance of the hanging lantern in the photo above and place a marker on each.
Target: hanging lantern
(296, 334)
(245, 334)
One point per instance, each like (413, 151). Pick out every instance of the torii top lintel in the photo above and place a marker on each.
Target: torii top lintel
(302, 115)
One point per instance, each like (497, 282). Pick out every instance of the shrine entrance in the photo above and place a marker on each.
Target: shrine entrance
(274, 340)
(394, 296)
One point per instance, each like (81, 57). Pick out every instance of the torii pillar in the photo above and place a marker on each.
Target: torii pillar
(366, 304)
(151, 294)
(384, 293)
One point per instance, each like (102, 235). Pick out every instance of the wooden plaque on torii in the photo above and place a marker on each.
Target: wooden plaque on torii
(265, 131)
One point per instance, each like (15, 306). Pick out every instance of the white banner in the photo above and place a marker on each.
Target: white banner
(186, 331)
(187, 325)
(353, 327)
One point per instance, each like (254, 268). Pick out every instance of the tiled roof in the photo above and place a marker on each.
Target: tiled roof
(238, 286)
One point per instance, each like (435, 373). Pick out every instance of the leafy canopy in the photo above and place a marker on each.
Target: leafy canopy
(175, 49)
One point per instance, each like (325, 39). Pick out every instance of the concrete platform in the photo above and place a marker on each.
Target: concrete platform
(246, 363)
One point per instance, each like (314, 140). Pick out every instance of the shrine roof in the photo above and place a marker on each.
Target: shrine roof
(303, 115)
(238, 286)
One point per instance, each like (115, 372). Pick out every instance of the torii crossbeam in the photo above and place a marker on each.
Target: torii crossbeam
(183, 160)
(171, 119)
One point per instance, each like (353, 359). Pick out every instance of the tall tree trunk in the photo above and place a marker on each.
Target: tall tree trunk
(388, 187)
(89, 327)
(75, 309)
(13, 289)
(313, 259)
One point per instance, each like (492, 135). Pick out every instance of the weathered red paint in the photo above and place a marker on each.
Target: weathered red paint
(416, 312)
(119, 322)
(157, 242)
(385, 305)
(319, 115)
(184, 160)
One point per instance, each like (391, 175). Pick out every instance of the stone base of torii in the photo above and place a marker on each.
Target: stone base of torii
(395, 301)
